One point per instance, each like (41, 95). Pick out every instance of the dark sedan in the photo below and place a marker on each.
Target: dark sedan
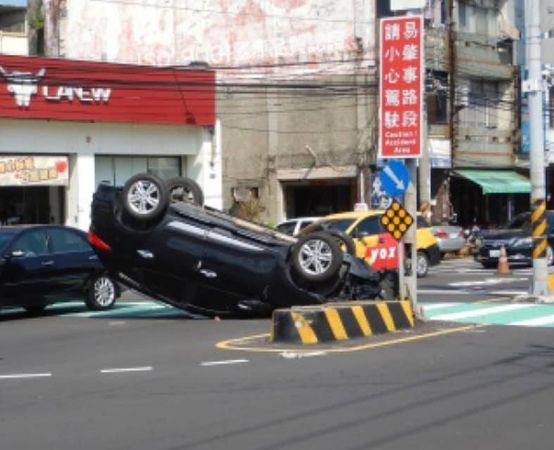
(44, 264)
(157, 238)
(516, 239)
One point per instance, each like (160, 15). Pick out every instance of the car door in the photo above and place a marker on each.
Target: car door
(28, 267)
(74, 261)
(377, 247)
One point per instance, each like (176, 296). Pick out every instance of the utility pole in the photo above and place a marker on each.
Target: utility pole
(533, 86)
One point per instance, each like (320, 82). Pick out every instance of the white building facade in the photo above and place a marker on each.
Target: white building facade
(68, 125)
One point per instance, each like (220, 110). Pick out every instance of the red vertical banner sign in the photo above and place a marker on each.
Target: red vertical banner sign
(401, 87)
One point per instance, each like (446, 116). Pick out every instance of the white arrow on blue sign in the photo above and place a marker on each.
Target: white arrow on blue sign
(395, 178)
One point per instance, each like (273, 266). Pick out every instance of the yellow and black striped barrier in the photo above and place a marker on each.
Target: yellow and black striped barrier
(539, 225)
(340, 321)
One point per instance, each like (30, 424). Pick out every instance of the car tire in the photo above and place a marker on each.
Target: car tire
(101, 293)
(35, 310)
(185, 190)
(317, 257)
(549, 254)
(345, 242)
(422, 264)
(145, 196)
(489, 265)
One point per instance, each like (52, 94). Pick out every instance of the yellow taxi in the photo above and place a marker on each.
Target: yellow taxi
(377, 246)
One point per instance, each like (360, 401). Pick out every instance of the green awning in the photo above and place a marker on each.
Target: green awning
(498, 181)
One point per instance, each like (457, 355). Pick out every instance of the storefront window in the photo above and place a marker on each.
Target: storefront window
(116, 170)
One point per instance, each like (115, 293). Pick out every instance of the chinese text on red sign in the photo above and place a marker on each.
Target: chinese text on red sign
(401, 81)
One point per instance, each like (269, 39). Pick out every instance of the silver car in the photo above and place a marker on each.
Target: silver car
(450, 238)
(293, 226)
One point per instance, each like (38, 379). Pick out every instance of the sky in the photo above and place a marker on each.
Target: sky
(13, 2)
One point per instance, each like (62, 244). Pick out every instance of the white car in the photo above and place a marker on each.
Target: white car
(293, 226)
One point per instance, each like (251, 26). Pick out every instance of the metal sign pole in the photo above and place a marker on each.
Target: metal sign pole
(410, 237)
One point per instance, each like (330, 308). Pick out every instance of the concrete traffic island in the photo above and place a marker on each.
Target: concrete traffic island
(340, 321)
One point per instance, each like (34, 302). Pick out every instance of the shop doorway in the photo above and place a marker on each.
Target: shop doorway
(318, 197)
(32, 205)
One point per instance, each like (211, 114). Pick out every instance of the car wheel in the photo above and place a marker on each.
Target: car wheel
(489, 265)
(35, 309)
(317, 256)
(185, 190)
(422, 264)
(345, 242)
(549, 256)
(145, 196)
(101, 293)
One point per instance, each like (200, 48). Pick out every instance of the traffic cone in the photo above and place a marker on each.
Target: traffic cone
(503, 266)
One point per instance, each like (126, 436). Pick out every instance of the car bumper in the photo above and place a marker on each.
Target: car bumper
(451, 245)
(487, 255)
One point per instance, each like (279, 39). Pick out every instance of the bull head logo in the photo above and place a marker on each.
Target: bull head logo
(23, 85)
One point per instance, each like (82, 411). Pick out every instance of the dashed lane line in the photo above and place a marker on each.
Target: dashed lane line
(224, 363)
(25, 376)
(127, 369)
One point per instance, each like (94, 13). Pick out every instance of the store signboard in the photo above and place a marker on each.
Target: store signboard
(61, 89)
(401, 87)
(31, 170)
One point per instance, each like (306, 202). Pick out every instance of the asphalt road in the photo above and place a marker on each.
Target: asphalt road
(154, 379)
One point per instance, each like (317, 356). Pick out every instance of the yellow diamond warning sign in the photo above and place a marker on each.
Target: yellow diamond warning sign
(396, 220)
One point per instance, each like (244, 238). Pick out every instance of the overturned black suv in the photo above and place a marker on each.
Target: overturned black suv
(156, 237)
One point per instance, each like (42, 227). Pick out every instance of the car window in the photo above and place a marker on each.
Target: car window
(520, 221)
(6, 237)
(31, 243)
(370, 225)
(550, 221)
(286, 228)
(341, 224)
(305, 223)
(67, 241)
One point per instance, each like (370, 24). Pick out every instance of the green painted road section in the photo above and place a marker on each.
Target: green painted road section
(515, 314)
(121, 310)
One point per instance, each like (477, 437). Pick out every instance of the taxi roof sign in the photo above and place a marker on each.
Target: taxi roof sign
(396, 220)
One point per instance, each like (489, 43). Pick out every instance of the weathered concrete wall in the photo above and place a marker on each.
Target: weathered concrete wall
(266, 133)
(289, 72)
(220, 32)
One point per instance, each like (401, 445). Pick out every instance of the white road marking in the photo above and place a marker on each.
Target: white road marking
(508, 292)
(222, 363)
(444, 291)
(486, 282)
(438, 305)
(25, 375)
(480, 312)
(298, 355)
(127, 369)
(537, 322)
